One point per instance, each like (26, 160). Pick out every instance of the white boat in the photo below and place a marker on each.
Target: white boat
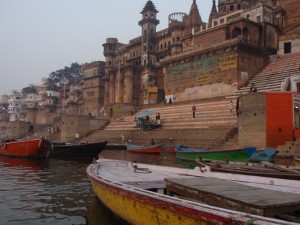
(137, 193)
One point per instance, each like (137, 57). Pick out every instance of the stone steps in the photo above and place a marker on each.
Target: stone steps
(212, 113)
(210, 138)
(270, 78)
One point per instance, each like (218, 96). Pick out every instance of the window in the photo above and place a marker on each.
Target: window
(238, 6)
(287, 47)
(298, 87)
(231, 7)
(258, 19)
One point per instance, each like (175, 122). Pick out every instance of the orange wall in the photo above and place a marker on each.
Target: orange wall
(279, 118)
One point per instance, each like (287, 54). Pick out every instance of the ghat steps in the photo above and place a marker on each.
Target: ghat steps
(270, 78)
(179, 116)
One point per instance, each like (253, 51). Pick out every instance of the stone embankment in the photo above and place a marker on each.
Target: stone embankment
(214, 125)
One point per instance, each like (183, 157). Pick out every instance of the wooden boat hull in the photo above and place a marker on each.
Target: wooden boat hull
(155, 149)
(81, 149)
(39, 147)
(141, 207)
(168, 148)
(263, 169)
(236, 155)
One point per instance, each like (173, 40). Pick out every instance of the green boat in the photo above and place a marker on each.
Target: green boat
(236, 155)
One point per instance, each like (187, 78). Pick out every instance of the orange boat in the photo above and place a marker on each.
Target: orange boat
(144, 148)
(38, 147)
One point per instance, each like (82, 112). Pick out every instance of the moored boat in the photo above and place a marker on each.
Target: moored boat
(168, 148)
(267, 154)
(135, 192)
(156, 148)
(38, 147)
(297, 161)
(77, 149)
(239, 155)
(262, 169)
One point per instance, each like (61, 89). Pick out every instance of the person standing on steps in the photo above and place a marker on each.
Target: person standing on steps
(231, 108)
(194, 111)
(252, 88)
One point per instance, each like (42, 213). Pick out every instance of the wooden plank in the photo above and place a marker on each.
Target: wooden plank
(232, 195)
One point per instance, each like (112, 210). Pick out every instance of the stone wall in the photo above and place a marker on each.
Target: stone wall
(207, 77)
(81, 124)
(252, 120)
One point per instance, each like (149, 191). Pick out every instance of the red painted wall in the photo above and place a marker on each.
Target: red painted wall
(279, 118)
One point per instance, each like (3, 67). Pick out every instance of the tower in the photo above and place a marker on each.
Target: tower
(148, 24)
(110, 48)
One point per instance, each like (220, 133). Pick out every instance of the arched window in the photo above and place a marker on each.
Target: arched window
(236, 32)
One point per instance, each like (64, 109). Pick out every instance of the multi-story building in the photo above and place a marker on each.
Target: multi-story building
(192, 59)
(15, 105)
(92, 88)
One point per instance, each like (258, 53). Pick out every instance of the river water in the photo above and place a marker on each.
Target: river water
(57, 191)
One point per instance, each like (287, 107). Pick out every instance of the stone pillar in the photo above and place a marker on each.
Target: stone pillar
(119, 86)
(106, 93)
(112, 88)
(128, 86)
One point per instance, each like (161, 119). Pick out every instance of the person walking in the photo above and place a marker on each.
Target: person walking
(194, 111)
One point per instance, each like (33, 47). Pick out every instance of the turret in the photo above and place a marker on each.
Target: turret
(213, 14)
(176, 27)
(148, 24)
(110, 50)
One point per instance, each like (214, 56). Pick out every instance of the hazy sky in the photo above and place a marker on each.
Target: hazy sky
(38, 37)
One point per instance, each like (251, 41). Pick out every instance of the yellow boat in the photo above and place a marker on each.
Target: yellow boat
(297, 161)
(135, 193)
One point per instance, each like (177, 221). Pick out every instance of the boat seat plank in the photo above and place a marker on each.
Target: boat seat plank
(233, 195)
(124, 173)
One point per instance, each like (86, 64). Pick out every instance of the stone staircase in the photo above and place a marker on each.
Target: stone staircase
(290, 148)
(209, 138)
(209, 113)
(213, 126)
(270, 78)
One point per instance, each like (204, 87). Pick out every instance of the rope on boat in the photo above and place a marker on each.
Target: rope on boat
(250, 221)
(139, 170)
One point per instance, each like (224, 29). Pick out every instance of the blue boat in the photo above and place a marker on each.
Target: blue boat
(181, 148)
(268, 154)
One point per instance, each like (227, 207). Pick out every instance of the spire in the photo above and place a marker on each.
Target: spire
(194, 18)
(149, 7)
(213, 13)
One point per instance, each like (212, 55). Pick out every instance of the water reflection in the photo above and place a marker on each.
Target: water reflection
(48, 192)
(56, 191)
